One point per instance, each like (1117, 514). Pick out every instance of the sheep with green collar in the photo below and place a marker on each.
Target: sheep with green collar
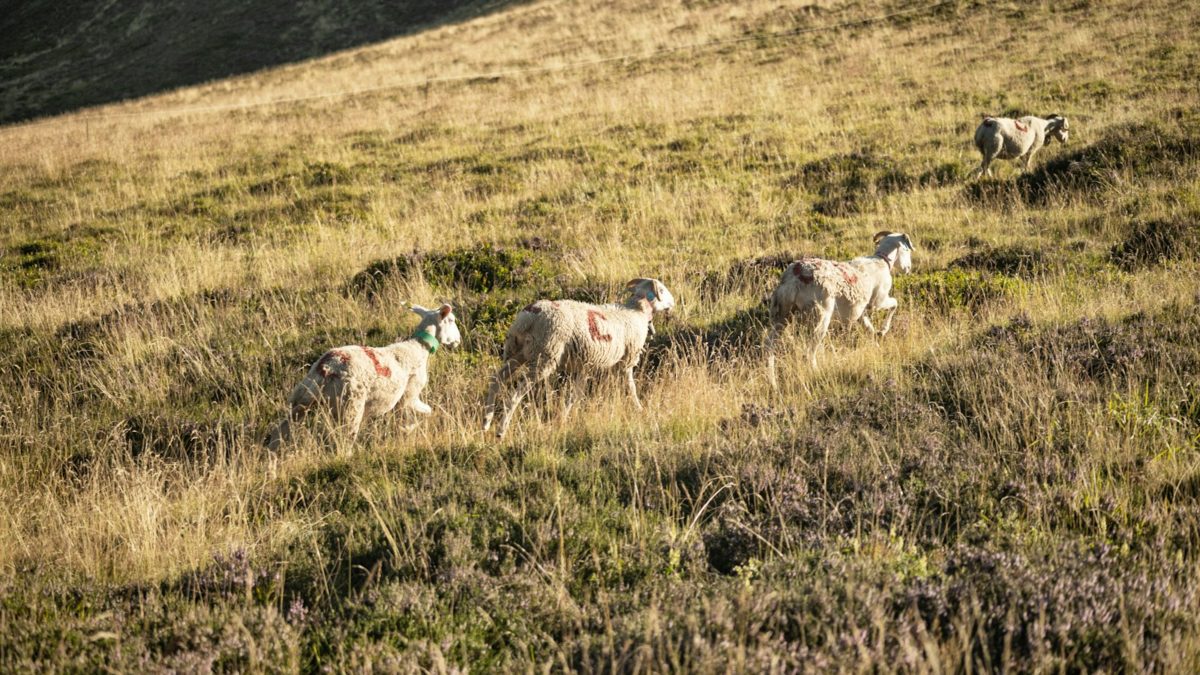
(356, 383)
(851, 289)
(577, 338)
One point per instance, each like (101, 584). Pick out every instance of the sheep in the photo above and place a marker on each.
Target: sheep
(356, 383)
(1007, 138)
(579, 338)
(851, 288)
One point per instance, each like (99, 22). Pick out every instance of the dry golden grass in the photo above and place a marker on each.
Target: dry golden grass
(672, 165)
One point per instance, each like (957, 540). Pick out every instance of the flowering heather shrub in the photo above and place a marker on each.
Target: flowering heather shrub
(1104, 349)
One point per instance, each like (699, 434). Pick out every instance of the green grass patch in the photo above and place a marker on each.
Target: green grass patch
(957, 289)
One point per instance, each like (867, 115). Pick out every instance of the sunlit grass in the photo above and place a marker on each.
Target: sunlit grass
(166, 280)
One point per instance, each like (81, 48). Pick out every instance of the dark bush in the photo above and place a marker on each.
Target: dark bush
(728, 543)
(755, 275)
(1099, 348)
(480, 270)
(993, 192)
(1157, 241)
(1014, 261)
(847, 183)
(326, 173)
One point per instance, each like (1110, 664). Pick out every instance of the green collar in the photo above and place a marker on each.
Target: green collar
(426, 338)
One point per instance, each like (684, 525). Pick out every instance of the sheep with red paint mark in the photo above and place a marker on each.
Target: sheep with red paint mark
(850, 290)
(1007, 138)
(577, 338)
(356, 383)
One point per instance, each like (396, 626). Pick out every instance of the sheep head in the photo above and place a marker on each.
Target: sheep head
(896, 248)
(439, 323)
(1058, 128)
(653, 291)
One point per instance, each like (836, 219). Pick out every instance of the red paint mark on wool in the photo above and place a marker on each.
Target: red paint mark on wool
(1020, 127)
(594, 328)
(848, 274)
(380, 369)
(330, 356)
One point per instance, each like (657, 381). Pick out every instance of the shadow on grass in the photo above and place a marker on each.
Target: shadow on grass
(64, 56)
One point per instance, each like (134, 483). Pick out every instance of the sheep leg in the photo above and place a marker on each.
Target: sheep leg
(499, 380)
(283, 432)
(574, 391)
(779, 319)
(865, 320)
(419, 406)
(822, 328)
(301, 399)
(538, 371)
(984, 168)
(632, 388)
(888, 306)
(354, 422)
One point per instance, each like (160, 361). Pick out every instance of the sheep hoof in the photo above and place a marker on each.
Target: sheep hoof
(421, 407)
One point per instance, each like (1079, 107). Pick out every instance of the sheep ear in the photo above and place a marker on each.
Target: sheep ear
(908, 243)
(634, 282)
(659, 290)
(445, 310)
(419, 310)
(880, 235)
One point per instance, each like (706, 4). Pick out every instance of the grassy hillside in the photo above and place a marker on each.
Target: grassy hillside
(57, 57)
(1008, 480)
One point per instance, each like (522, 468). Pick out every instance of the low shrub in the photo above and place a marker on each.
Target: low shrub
(847, 183)
(478, 270)
(1151, 242)
(948, 290)
(1013, 261)
(754, 275)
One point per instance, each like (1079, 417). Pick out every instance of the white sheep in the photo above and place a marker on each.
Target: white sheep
(581, 339)
(851, 289)
(1007, 138)
(356, 383)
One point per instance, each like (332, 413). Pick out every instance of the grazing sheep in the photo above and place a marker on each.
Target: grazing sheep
(852, 289)
(1006, 138)
(580, 338)
(355, 383)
